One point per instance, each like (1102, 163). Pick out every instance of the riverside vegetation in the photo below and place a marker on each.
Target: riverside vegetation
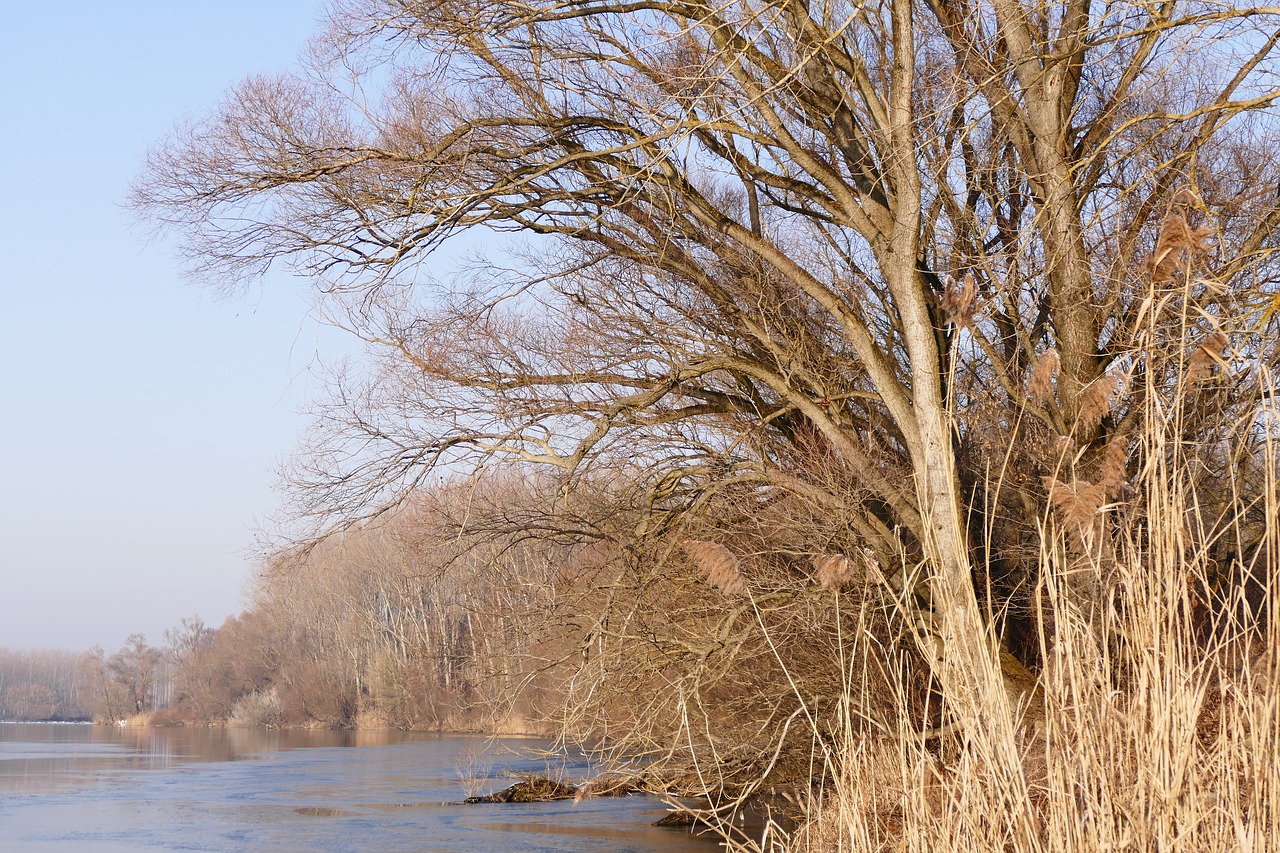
(863, 409)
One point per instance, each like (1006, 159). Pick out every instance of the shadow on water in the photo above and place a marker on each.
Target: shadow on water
(102, 788)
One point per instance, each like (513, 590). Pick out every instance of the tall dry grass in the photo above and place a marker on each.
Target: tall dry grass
(1155, 720)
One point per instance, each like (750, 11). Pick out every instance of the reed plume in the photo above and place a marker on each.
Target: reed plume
(1096, 402)
(1077, 503)
(959, 303)
(718, 564)
(1211, 352)
(1177, 248)
(1114, 476)
(832, 570)
(1040, 384)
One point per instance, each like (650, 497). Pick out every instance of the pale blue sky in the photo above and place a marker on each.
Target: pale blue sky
(140, 420)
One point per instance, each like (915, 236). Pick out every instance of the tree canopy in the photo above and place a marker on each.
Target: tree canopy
(933, 267)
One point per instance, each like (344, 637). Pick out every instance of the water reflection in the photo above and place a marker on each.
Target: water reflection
(94, 788)
(38, 757)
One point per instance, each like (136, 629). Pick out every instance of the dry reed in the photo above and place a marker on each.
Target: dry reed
(832, 570)
(1154, 724)
(1040, 385)
(959, 302)
(1095, 403)
(1178, 246)
(1210, 353)
(718, 565)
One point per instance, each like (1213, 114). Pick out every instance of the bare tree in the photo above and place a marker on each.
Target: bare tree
(134, 668)
(918, 238)
(184, 640)
(107, 698)
(238, 659)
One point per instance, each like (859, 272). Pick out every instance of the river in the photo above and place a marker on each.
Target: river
(94, 789)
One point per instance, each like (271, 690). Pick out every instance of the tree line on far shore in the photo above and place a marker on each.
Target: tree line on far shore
(409, 623)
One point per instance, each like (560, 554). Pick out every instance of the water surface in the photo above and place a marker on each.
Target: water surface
(97, 789)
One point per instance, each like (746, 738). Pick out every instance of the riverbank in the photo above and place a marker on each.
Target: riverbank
(503, 727)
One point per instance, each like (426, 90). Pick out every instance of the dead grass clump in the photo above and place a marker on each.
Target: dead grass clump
(530, 789)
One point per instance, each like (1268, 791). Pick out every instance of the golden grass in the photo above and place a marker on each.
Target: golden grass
(1155, 722)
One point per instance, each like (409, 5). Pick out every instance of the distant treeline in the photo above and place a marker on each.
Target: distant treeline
(59, 685)
(408, 622)
(402, 623)
(41, 685)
